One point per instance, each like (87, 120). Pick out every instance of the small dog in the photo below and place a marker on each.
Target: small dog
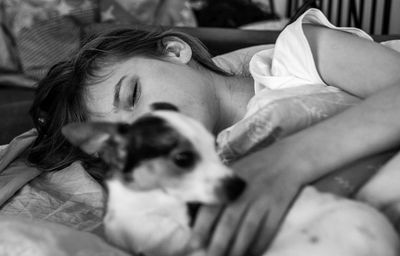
(165, 162)
(161, 168)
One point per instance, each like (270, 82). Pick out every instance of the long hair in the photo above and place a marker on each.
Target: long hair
(59, 97)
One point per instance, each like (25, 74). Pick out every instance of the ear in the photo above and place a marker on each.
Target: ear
(177, 50)
(164, 106)
(91, 137)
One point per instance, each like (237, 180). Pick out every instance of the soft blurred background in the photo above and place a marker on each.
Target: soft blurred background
(35, 34)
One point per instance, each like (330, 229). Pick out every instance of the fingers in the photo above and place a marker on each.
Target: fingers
(270, 225)
(249, 229)
(225, 230)
(205, 222)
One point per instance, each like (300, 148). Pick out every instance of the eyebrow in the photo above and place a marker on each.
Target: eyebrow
(117, 90)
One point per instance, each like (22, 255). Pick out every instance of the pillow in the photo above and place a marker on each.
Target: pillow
(45, 32)
(8, 57)
(148, 12)
(128, 12)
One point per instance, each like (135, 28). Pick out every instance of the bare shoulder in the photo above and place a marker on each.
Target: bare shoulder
(320, 37)
(353, 63)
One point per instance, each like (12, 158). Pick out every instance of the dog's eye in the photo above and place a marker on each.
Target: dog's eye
(184, 159)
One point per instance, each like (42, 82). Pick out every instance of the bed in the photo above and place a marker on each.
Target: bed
(60, 213)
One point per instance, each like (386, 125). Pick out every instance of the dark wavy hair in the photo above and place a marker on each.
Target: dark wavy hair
(59, 97)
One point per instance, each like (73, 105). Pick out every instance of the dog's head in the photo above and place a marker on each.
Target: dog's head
(163, 150)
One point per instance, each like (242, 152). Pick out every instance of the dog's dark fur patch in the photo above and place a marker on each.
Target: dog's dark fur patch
(150, 137)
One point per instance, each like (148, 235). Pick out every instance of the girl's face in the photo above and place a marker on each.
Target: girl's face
(130, 87)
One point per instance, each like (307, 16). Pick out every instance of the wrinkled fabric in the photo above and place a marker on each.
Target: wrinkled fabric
(69, 196)
(14, 173)
(24, 237)
(280, 113)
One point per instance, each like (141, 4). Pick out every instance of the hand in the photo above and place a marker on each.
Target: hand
(247, 226)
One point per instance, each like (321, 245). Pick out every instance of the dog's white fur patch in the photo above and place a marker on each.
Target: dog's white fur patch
(322, 224)
(146, 221)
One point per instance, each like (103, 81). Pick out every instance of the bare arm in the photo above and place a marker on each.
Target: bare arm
(362, 68)
(368, 128)
(279, 171)
(354, 64)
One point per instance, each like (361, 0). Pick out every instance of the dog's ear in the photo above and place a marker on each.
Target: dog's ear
(164, 106)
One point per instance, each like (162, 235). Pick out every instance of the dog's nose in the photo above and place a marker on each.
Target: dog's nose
(233, 187)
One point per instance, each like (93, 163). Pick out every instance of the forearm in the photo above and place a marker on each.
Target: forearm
(347, 181)
(371, 127)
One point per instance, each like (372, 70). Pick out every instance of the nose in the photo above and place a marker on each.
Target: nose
(233, 187)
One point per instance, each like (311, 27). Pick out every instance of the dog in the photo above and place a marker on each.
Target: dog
(165, 164)
(160, 169)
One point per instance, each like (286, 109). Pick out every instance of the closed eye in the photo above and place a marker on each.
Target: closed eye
(136, 93)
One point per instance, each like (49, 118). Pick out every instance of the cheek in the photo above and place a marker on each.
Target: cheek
(160, 93)
(172, 87)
